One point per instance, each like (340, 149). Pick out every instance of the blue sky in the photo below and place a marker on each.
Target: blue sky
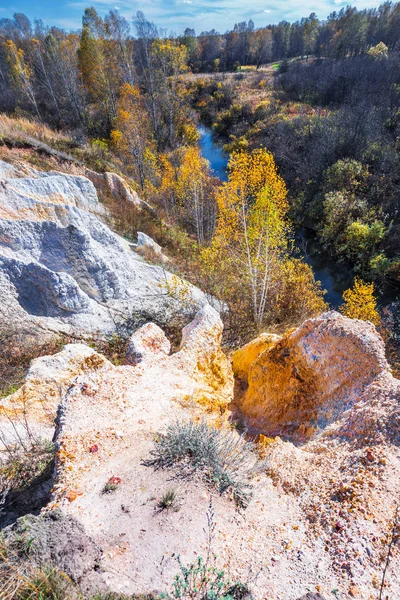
(175, 15)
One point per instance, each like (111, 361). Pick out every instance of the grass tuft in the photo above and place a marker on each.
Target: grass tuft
(169, 500)
(225, 460)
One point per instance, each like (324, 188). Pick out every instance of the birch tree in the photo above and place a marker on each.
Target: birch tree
(21, 73)
(251, 239)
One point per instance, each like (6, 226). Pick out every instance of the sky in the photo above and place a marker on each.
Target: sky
(176, 15)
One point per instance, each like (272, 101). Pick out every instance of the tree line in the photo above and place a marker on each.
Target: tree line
(348, 32)
(56, 73)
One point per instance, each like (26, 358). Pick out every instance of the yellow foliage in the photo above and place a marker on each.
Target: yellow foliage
(360, 302)
(251, 230)
(252, 172)
(132, 136)
(177, 288)
(248, 261)
(187, 187)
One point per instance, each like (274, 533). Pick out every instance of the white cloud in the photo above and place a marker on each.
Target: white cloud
(266, 10)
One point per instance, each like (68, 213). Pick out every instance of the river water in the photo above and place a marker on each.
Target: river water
(335, 278)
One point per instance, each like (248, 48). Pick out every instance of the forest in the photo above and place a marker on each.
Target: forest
(309, 111)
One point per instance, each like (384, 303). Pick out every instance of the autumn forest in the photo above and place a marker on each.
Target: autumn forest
(309, 113)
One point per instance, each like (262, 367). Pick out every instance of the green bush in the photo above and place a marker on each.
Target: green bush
(204, 581)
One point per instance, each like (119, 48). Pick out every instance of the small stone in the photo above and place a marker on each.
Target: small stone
(354, 591)
(370, 456)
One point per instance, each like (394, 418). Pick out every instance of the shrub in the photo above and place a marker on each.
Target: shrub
(204, 581)
(360, 302)
(225, 460)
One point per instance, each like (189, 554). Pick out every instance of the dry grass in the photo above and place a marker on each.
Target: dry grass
(22, 580)
(20, 128)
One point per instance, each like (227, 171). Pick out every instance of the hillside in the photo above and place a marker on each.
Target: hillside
(147, 451)
(185, 412)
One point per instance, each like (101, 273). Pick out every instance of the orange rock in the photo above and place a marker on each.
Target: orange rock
(354, 591)
(311, 376)
(72, 495)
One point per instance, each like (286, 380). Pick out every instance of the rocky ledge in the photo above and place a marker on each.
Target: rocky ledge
(321, 404)
(63, 269)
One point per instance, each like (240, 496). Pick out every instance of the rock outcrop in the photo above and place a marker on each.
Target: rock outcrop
(112, 184)
(146, 245)
(323, 507)
(46, 382)
(63, 269)
(200, 372)
(107, 417)
(147, 343)
(243, 358)
(312, 378)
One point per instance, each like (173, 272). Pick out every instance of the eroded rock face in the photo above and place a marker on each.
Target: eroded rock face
(199, 372)
(246, 356)
(111, 184)
(311, 377)
(321, 504)
(62, 268)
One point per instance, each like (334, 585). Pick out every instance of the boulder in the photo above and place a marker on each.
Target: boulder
(63, 269)
(312, 377)
(149, 248)
(147, 343)
(111, 184)
(55, 539)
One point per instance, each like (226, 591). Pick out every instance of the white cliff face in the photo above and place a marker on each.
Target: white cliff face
(61, 267)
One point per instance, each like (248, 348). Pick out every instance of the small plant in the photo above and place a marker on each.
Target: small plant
(225, 460)
(111, 485)
(169, 500)
(204, 581)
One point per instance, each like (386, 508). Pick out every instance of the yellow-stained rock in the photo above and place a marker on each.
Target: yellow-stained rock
(312, 377)
(199, 372)
(243, 358)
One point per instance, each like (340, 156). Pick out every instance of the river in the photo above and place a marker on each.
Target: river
(335, 278)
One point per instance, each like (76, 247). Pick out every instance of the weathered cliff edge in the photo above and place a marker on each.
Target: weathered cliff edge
(326, 409)
(63, 269)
